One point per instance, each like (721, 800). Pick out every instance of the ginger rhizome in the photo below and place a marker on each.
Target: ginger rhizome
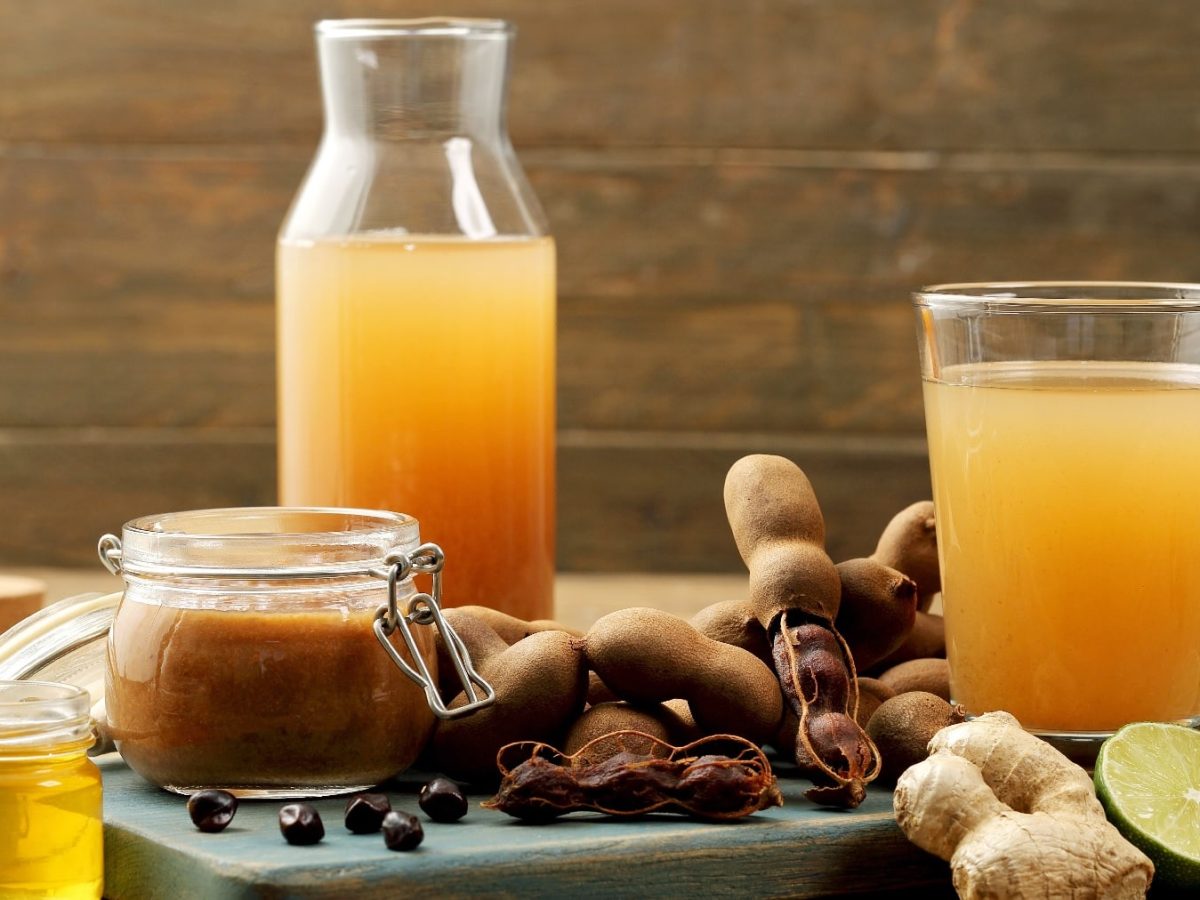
(1015, 818)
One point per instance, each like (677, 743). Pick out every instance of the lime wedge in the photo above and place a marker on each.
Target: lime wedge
(1148, 778)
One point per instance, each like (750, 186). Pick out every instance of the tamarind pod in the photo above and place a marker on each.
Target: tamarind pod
(540, 684)
(909, 545)
(606, 718)
(831, 747)
(630, 773)
(926, 640)
(904, 725)
(731, 622)
(681, 724)
(780, 534)
(599, 692)
(929, 675)
(481, 641)
(795, 592)
(512, 629)
(877, 610)
(872, 693)
(648, 656)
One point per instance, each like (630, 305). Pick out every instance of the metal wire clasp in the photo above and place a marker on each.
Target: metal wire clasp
(425, 609)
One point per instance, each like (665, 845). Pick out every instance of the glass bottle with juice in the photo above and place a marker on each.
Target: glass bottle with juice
(416, 308)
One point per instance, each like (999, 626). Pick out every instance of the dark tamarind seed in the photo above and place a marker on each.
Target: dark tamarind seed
(365, 812)
(443, 800)
(300, 824)
(402, 831)
(211, 811)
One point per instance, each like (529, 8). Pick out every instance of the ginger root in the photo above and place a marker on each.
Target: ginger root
(1014, 817)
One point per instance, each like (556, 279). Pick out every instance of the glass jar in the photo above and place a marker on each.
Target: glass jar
(51, 825)
(416, 306)
(246, 651)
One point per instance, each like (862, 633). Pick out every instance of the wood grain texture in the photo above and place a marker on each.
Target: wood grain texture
(743, 195)
(152, 851)
(940, 74)
(718, 292)
(644, 503)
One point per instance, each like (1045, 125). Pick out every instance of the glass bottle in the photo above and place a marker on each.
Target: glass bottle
(51, 827)
(416, 307)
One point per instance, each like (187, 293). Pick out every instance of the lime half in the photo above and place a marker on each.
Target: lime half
(1148, 778)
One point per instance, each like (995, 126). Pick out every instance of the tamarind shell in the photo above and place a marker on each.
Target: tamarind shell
(482, 643)
(871, 694)
(648, 656)
(599, 692)
(877, 611)
(780, 534)
(512, 629)
(657, 720)
(926, 640)
(540, 684)
(929, 675)
(903, 726)
(909, 545)
(732, 622)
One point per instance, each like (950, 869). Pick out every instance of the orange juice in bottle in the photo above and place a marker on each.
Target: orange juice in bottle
(417, 374)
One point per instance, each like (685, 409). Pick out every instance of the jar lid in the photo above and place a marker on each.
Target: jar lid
(64, 642)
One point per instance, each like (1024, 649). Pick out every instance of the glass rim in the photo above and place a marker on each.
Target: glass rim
(1126, 296)
(365, 521)
(44, 716)
(275, 542)
(431, 26)
(51, 692)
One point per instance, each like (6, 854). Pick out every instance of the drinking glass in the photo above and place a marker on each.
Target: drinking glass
(1064, 444)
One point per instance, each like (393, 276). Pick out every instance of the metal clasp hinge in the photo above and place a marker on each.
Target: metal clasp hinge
(425, 609)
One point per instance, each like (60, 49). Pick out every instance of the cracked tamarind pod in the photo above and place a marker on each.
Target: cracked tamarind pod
(795, 593)
(629, 773)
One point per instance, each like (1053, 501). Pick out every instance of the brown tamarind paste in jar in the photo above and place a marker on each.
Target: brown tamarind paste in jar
(242, 655)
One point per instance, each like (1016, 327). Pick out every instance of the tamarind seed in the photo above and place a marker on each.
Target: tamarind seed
(442, 800)
(300, 824)
(365, 812)
(211, 811)
(402, 831)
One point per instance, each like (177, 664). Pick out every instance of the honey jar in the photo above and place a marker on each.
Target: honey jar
(51, 828)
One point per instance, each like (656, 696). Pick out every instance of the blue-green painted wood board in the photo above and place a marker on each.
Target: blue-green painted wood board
(799, 850)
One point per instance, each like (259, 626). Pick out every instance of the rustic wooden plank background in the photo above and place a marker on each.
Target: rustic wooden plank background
(744, 194)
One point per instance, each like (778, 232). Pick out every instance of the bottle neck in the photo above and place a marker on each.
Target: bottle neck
(429, 84)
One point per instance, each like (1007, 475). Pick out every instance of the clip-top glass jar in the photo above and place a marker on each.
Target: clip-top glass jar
(246, 652)
(416, 306)
(51, 828)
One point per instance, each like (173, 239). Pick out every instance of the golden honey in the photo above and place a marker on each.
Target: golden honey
(51, 827)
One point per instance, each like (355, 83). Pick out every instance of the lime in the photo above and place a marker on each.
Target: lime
(1148, 778)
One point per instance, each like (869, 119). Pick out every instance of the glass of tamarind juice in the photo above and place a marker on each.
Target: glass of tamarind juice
(1064, 443)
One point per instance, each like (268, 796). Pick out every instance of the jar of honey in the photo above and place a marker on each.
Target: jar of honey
(275, 652)
(51, 829)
